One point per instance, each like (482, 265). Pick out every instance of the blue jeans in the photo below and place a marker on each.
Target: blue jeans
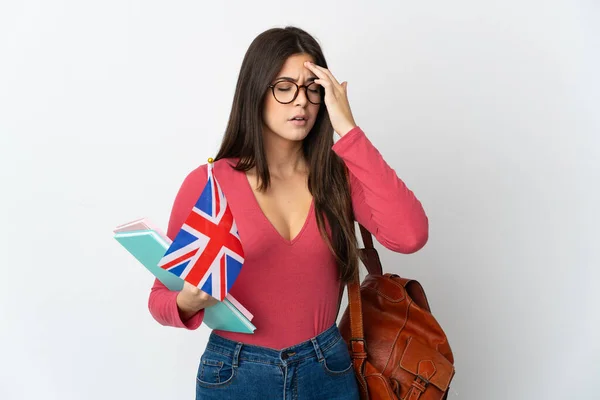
(319, 368)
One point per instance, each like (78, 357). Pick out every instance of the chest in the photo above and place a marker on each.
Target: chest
(286, 205)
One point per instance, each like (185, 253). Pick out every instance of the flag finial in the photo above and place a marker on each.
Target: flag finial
(210, 160)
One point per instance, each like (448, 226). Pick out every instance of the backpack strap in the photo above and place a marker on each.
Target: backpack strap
(370, 258)
(357, 344)
(366, 237)
(368, 254)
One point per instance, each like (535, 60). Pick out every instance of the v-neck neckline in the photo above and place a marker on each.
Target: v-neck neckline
(307, 220)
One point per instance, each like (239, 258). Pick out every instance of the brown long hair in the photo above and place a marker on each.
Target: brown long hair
(243, 139)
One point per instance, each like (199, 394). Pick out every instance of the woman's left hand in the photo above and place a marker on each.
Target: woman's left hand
(336, 99)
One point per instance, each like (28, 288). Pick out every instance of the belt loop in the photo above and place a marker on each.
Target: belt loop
(317, 349)
(236, 354)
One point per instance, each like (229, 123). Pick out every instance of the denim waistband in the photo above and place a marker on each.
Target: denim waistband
(247, 352)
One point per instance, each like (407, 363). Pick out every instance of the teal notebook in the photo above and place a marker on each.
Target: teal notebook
(148, 247)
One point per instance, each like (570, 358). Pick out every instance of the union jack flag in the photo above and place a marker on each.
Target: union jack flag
(207, 251)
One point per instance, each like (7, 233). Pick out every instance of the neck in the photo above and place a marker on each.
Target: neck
(284, 157)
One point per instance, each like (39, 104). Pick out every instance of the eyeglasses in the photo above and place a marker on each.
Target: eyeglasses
(284, 92)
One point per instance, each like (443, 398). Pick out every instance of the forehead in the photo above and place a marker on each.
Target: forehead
(294, 66)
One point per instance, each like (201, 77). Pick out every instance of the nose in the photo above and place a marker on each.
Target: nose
(302, 97)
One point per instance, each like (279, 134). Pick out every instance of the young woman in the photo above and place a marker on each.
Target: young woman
(295, 196)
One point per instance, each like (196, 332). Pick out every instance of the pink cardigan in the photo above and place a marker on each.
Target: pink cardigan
(291, 286)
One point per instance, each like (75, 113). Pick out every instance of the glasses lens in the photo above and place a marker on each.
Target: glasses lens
(314, 93)
(285, 91)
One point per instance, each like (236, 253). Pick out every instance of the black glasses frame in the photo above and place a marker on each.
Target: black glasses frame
(298, 87)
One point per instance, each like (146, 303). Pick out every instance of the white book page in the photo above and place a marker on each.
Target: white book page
(239, 306)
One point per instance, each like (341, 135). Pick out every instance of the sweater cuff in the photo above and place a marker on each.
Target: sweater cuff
(192, 323)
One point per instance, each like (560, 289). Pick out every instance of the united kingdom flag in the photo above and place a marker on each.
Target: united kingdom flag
(207, 251)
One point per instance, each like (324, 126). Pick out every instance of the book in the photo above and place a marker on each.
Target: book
(148, 245)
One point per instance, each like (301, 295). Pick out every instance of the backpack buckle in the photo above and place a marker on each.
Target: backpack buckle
(358, 349)
(420, 383)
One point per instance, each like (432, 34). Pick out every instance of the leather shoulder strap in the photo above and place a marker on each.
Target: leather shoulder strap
(366, 237)
(368, 254)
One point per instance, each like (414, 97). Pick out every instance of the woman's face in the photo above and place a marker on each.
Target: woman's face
(277, 117)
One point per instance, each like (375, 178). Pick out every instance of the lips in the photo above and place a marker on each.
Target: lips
(298, 116)
(298, 122)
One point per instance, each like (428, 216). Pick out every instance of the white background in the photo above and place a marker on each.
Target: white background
(488, 110)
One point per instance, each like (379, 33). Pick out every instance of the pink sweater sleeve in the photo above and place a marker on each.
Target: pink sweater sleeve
(162, 302)
(381, 201)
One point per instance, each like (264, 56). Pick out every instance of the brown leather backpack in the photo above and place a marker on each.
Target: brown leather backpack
(398, 349)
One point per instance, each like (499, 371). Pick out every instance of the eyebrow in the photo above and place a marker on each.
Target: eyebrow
(310, 79)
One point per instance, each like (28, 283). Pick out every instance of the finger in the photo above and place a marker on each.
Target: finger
(331, 85)
(325, 83)
(320, 74)
(328, 73)
(330, 89)
(207, 297)
(195, 290)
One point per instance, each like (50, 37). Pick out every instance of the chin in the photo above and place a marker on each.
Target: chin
(295, 134)
(299, 134)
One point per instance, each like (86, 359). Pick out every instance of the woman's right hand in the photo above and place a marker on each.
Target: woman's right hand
(191, 299)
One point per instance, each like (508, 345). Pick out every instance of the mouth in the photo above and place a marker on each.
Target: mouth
(299, 120)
